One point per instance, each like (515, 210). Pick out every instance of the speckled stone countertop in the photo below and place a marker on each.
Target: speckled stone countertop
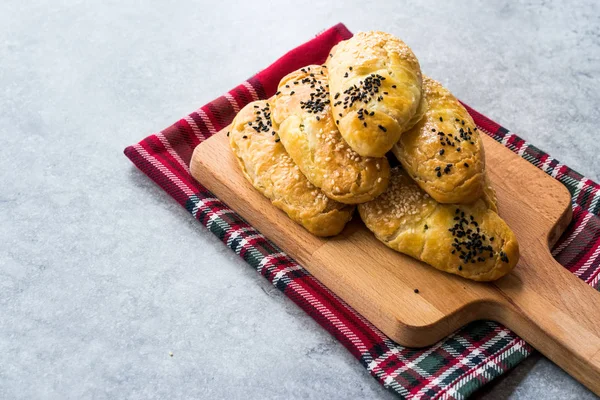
(102, 275)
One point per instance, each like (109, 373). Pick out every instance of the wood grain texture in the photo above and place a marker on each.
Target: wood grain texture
(541, 301)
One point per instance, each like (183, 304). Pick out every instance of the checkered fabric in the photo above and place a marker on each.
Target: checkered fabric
(453, 368)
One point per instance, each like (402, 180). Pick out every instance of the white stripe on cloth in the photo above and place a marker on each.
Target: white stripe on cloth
(325, 312)
(594, 282)
(544, 166)
(557, 170)
(199, 203)
(157, 164)
(268, 260)
(572, 236)
(250, 88)
(238, 232)
(589, 262)
(580, 185)
(451, 390)
(206, 121)
(506, 138)
(171, 151)
(282, 273)
(466, 359)
(355, 314)
(595, 200)
(233, 102)
(195, 128)
(523, 148)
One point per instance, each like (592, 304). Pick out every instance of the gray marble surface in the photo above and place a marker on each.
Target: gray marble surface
(102, 275)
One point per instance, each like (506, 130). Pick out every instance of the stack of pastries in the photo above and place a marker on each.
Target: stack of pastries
(318, 149)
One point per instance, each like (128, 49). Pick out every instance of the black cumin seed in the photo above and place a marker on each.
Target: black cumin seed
(466, 165)
(458, 149)
(416, 290)
(336, 96)
(365, 124)
(426, 227)
(441, 152)
(437, 168)
(245, 137)
(277, 140)
(439, 174)
(346, 75)
(277, 93)
(460, 267)
(350, 68)
(318, 118)
(382, 128)
(394, 86)
(292, 93)
(441, 119)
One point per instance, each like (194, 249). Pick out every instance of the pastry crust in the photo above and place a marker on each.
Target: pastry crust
(267, 166)
(379, 74)
(467, 240)
(443, 152)
(302, 118)
(489, 195)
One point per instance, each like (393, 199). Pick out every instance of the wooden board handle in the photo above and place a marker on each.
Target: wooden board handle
(555, 312)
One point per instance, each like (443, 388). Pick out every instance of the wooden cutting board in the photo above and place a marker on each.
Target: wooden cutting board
(540, 300)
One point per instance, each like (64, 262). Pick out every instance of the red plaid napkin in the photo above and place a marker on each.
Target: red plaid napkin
(453, 368)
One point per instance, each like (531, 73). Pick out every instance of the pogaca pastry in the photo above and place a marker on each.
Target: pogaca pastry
(267, 166)
(467, 240)
(375, 86)
(443, 152)
(301, 115)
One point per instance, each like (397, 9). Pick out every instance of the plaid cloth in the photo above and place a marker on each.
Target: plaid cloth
(453, 368)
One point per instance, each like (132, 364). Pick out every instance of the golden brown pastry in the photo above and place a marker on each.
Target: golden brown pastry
(443, 152)
(489, 195)
(375, 82)
(269, 168)
(301, 116)
(467, 240)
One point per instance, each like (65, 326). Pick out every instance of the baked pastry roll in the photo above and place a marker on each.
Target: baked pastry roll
(443, 152)
(267, 166)
(301, 116)
(375, 82)
(489, 195)
(467, 240)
